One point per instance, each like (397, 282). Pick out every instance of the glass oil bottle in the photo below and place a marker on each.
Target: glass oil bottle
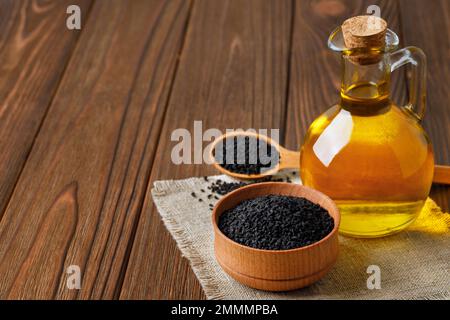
(368, 154)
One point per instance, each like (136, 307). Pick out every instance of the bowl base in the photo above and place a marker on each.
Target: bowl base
(274, 285)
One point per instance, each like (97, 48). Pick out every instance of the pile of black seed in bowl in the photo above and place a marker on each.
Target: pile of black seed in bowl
(276, 222)
(246, 155)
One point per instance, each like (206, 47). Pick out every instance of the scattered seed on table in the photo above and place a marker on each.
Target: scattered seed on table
(205, 178)
(200, 200)
(202, 190)
(193, 195)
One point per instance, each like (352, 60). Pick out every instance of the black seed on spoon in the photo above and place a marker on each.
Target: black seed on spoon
(246, 155)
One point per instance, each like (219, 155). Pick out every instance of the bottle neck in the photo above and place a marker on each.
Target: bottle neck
(365, 87)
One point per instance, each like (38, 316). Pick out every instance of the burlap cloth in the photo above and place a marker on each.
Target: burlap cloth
(414, 264)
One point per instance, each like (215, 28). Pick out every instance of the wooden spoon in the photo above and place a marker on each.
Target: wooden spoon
(291, 160)
(287, 159)
(441, 174)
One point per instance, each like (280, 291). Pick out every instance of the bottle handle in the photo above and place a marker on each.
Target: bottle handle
(418, 82)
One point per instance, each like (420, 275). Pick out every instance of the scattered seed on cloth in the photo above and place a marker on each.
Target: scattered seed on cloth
(222, 188)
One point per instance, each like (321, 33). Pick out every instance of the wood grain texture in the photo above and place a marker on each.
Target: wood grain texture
(79, 196)
(232, 74)
(86, 121)
(45, 259)
(426, 24)
(35, 47)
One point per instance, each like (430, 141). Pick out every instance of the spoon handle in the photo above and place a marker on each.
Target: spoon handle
(441, 174)
(289, 159)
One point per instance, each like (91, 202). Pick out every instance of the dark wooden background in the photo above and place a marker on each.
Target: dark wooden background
(86, 118)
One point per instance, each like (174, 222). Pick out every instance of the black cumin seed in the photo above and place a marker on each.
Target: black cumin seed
(220, 187)
(246, 153)
(276, 222)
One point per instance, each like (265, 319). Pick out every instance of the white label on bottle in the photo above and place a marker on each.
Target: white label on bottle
(334, 138)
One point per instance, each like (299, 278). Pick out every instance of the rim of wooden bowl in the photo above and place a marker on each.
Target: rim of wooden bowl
(336, 215)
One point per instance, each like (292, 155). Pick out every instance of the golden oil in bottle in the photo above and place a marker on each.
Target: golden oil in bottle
(369, 155)
(372, 158)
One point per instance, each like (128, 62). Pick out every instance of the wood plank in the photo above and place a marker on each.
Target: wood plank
(426, 24)
(232, 74)
(81, 191)
(35, 47)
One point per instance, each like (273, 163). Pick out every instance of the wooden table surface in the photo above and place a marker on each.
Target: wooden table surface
(86, 118)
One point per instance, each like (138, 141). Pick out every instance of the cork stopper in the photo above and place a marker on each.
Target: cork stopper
(364, 35)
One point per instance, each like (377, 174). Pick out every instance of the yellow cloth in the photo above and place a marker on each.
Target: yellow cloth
(431, 219)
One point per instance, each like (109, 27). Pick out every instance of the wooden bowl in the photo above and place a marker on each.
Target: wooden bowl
(276, 270)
